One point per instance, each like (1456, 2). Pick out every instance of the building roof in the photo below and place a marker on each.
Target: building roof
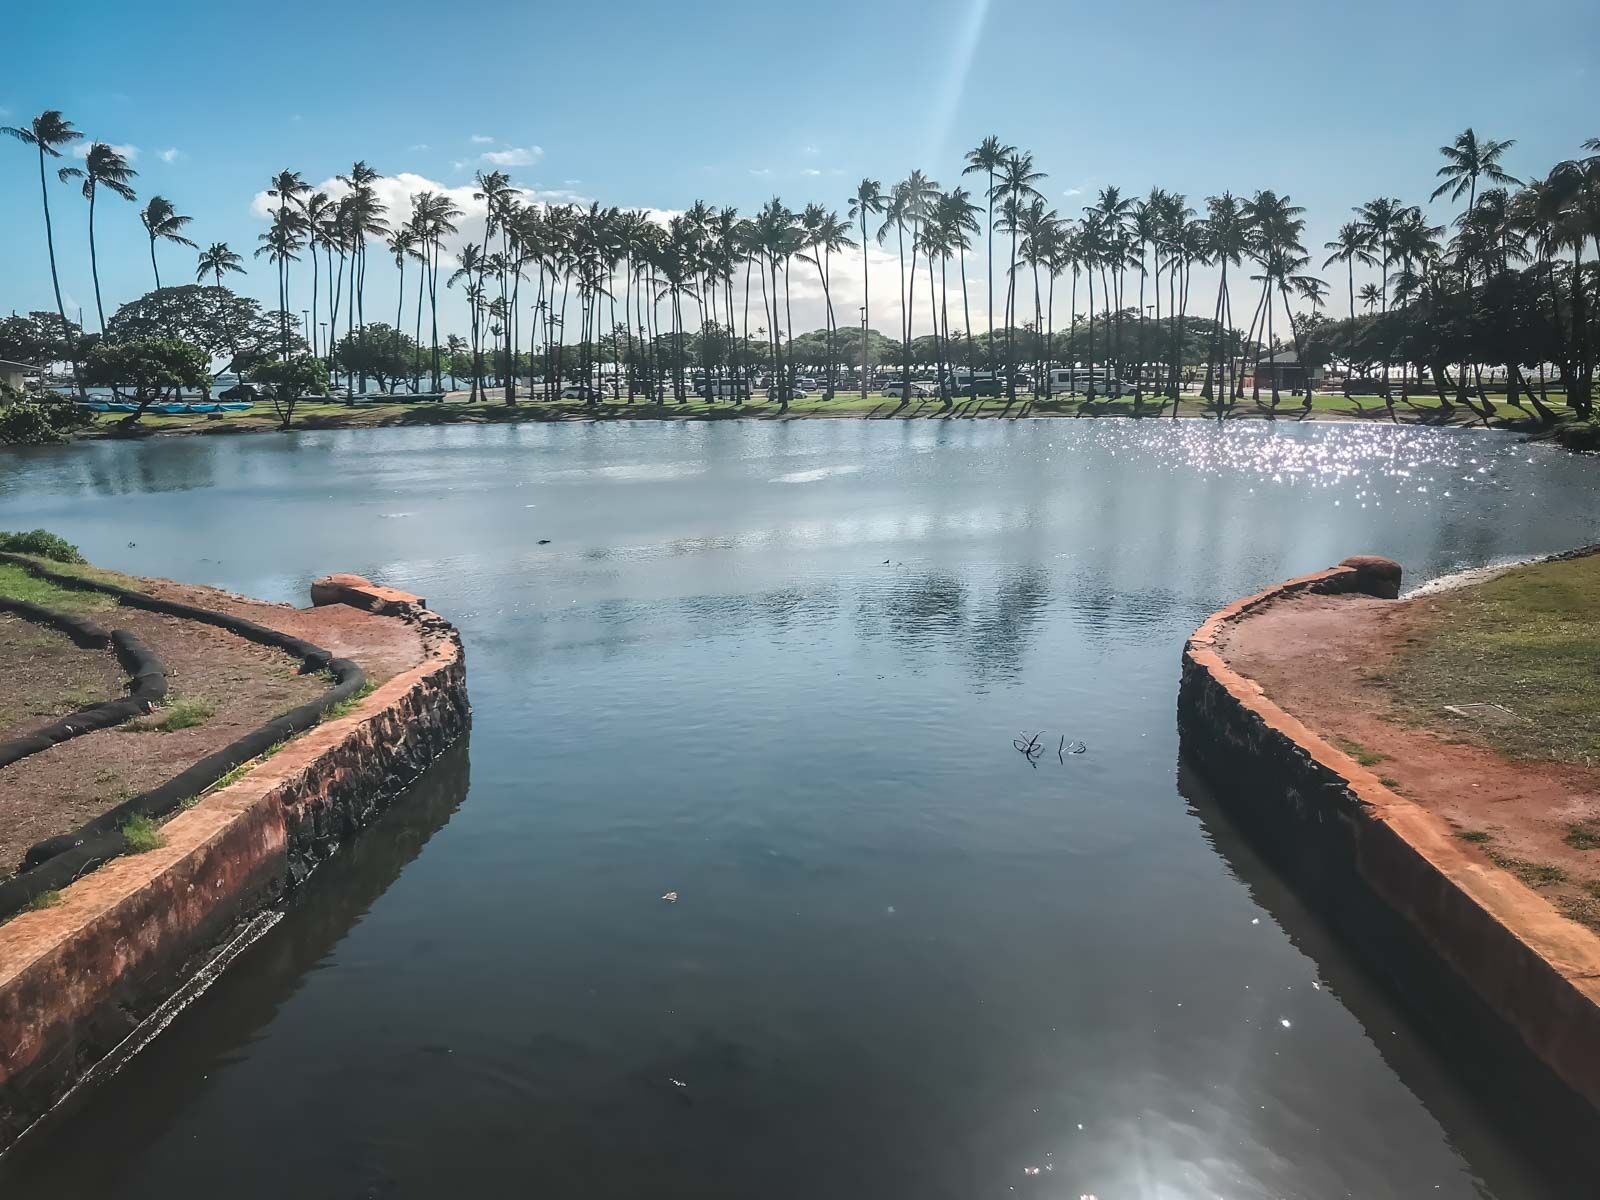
(1284, 358)
(16, 366)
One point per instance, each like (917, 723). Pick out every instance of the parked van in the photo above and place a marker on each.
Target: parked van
(728, 389)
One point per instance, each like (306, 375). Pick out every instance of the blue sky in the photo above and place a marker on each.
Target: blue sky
(655, 105)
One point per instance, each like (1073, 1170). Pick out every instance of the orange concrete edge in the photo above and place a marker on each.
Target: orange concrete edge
(215, 855)
(1569, 950)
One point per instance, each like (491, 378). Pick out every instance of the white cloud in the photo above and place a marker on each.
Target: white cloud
(516, 156)
(131, 153)
(481, 139)
(1072, 192)
(811, 171)
(811, 151)
(571, 182)
(418, 146)
(170, 155)
(396, 191)
(761, 172)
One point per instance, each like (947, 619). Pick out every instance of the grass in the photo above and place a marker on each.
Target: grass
(346, 706)
(49, 898)
(1527, 639)
(141, 834)
(17, 584)
(233, 776)
(1475, 836)
(1531, 873)
(846, 403)
(181, 714)
(1367, 758)
(1583, 835)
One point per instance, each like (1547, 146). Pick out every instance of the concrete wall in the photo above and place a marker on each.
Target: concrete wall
(1340, 833)
(76, 979)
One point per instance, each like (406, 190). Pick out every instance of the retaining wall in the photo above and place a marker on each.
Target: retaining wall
(78, 978)
(1342, 833)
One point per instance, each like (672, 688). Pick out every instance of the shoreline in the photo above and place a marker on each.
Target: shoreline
(117, 946)
(1388, 870)
(319, 415)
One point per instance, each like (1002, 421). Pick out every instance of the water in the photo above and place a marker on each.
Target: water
(777, 668)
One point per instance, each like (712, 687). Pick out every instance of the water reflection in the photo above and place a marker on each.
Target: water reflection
(895, 940)
(199, 1051)
(1447, 1052)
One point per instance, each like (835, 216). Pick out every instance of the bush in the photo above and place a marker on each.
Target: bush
(42, 543)
(26, 421)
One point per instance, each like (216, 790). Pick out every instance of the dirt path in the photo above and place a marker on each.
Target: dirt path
(237, 684)
(1323, 658)
(47, 676)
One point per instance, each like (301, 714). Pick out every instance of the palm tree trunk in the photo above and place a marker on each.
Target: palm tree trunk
(94, 262)
(966, 321)
(866, 303)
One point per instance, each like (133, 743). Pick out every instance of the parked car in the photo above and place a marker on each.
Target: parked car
(906, 390)
(728, 389)
(580, 391)
(795, 393)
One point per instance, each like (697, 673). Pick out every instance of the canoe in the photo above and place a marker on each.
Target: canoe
(235, 406)
(93, 405)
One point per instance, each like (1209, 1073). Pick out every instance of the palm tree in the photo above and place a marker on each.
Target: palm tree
(958, 217)
(867, 202)
(163, 222)
(826, 235)
(216, 260)
(435, 216)
(1228, 237)
(279, 244)
(364, 213)
(45, 132)
(986, 158)
(1465, 159)
(1370, 296)
(1353, 245)
(102, 167)
(1017, 179)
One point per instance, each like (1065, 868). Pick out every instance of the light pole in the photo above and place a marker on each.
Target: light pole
(305, 328)
(863, 350)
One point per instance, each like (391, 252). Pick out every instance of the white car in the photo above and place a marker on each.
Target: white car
(579, 391)
(909, 389)
(795, 393)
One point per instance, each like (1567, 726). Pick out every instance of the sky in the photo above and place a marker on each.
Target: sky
(643, 104)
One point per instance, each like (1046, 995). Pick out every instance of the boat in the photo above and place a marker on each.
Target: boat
(235, 406)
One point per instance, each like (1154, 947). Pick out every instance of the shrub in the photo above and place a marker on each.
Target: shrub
(140, 834)
(38, 420)
(42, 543)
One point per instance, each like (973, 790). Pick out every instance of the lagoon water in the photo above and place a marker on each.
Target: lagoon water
(777, 668)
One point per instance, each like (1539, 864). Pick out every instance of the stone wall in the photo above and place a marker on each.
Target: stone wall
(78, 978)
(1347, 840)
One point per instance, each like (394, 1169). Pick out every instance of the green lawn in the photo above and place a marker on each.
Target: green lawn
(1528, 639)
(326, 415)
(19, 585)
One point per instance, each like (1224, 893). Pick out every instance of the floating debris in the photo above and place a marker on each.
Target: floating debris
(671, 897)
(1030, 1170)
(676, 1082)
(1029, 748)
